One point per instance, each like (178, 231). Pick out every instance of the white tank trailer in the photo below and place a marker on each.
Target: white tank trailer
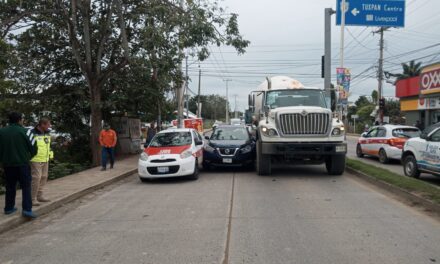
(295, 125)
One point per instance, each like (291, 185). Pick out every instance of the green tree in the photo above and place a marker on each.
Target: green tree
(409, 70)
(111, 56)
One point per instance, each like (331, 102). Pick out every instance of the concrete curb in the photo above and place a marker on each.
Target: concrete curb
(404, 194)
(15, 221)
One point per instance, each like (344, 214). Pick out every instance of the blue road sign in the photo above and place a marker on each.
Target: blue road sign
(378, 13)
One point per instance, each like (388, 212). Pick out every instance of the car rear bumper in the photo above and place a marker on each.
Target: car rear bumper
(393, 152)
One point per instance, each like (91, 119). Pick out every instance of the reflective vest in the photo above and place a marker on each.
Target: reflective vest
(44, 153)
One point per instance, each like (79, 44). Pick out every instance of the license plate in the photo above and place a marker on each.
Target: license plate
(163, 169)
(227, 160)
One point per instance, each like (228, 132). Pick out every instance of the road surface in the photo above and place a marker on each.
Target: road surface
(394, 165)
(298, 215)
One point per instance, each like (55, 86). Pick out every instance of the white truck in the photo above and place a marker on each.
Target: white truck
(295, 125)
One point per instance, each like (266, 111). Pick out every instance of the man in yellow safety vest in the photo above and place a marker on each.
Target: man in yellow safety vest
(40, 162)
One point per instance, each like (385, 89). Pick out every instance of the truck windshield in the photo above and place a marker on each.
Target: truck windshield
(303, 97)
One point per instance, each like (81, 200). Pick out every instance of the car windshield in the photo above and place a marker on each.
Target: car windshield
(406, 132)
(295, 97)
(230, 133)
(171, 139)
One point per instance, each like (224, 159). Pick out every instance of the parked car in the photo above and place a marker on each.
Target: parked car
(229, 145)
(172, 153)
(422, 154)
(385, 142)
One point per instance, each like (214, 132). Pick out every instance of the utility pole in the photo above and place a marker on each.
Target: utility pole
(186, 87)
(179, 91)
(341, 49)
(328, 12)
(227, 100)
(199, 114)
(380, 73)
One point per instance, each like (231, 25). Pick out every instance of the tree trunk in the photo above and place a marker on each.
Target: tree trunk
(95, 120)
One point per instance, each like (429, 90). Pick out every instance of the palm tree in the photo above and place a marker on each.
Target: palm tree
(410, 69)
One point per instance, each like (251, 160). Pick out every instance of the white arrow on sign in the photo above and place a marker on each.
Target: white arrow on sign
(355, 12)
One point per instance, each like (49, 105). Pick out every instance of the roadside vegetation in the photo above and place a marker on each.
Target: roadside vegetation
(418, 187)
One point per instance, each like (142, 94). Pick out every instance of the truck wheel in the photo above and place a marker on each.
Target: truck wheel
(383, 158)
(263, 162)
(359, 153)
(335, 164)
(410, 167)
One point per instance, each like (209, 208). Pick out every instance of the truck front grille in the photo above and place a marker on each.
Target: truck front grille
(307, 124)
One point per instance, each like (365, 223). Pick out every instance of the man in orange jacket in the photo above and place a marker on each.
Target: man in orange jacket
(107, 139)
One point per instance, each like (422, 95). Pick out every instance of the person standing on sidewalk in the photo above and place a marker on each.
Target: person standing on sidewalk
(107, 139)
(17, 147)
(40, 163)
(150, 133)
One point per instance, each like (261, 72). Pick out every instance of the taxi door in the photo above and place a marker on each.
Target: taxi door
(368, 141)
(198, 144)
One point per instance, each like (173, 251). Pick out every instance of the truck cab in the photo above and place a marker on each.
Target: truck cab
(295, 125)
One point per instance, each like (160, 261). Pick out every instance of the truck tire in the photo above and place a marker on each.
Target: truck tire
(264, 162)
(335, 164)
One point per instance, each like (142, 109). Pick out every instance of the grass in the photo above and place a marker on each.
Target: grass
(412, 185)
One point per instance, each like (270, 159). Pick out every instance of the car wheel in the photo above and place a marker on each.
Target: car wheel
(359, 151)
(195, 175)
(383, 158)
(335, 165)
(410, 167)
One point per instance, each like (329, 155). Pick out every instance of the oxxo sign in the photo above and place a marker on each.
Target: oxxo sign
(430, 79)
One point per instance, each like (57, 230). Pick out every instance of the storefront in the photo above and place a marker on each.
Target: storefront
(420, 96)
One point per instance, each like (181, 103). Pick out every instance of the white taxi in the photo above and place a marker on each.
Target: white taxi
(385, 142)
(172, 153)
(422, 154)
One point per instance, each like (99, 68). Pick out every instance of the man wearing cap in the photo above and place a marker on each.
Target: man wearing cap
(107, 139)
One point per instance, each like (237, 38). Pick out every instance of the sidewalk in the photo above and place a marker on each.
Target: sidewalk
(69, 188)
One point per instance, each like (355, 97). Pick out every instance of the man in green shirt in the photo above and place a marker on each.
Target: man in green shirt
(17, 147)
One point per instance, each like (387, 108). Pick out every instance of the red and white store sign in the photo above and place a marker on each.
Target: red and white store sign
(430, 79)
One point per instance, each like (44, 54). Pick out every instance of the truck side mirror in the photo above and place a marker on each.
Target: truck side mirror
(266, 109)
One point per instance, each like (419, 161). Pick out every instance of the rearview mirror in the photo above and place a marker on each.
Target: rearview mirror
(364, 134)
(206, 137)
(199, 142)
(146, 145)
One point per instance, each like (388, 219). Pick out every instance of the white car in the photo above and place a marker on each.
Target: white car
(172, 153)
(422, 154)
(385, 142)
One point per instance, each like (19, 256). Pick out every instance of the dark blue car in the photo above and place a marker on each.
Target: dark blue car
(229, 146)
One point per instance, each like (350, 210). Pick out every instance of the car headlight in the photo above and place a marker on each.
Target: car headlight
(338, 131)
(246, 149)
(269, 132)
(208, 148)
(144, 156)
(186, 154)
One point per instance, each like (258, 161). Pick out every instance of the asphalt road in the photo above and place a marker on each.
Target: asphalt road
(299, 215)
(394, 165)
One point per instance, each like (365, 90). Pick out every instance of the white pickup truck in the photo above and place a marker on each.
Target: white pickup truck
(422, 154)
